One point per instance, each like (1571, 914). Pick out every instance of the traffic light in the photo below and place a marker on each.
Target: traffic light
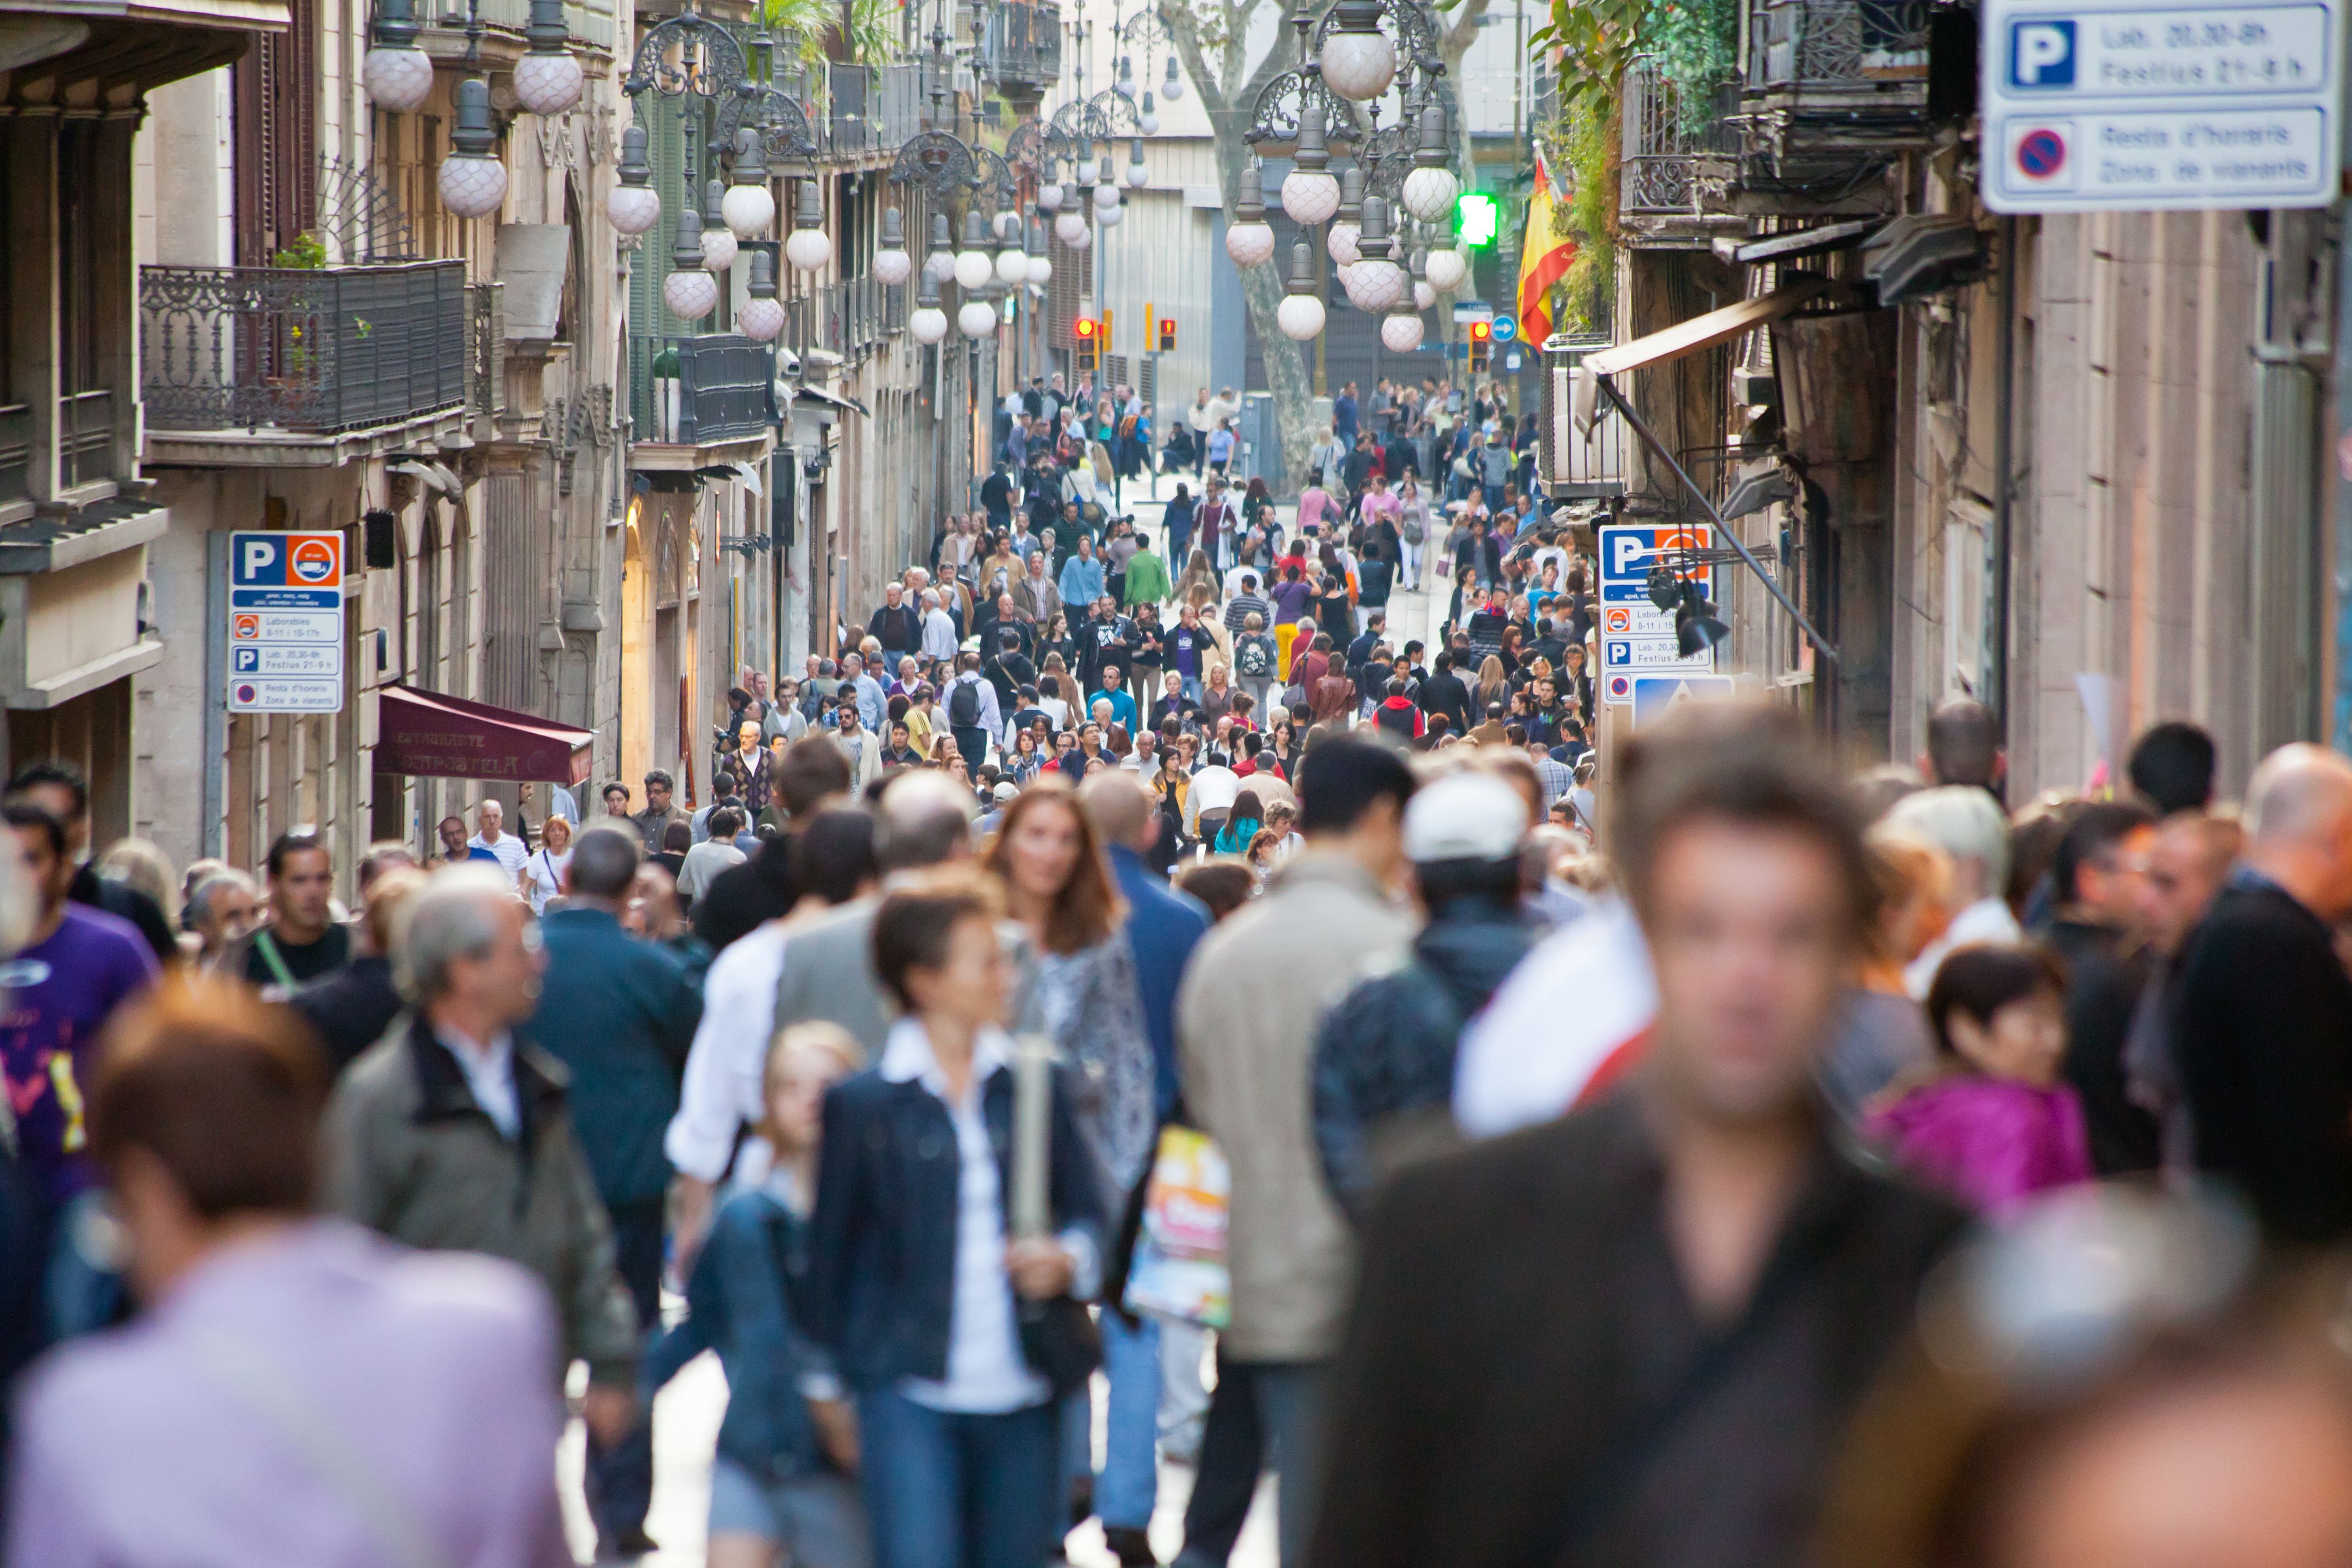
(1482, 342)
(1476, 218)
(1166, 335)
(1087, 334)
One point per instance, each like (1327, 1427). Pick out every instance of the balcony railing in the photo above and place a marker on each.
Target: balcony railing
(699, 391)
(1840, 43)
(334, 349)
(1662, 145)
(1023, 46)
(898, 106)
(15, 454)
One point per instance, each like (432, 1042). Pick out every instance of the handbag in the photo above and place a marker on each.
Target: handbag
(1178, 1268)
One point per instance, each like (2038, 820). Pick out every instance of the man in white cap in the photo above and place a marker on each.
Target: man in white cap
(1384, 1073)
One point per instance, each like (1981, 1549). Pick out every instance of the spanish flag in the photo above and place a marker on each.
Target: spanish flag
(1543, 262)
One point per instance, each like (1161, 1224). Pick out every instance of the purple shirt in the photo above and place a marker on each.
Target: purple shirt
(436, 1372)
(60, 992)
(1991, 1143)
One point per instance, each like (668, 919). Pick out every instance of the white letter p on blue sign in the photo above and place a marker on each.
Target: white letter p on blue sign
(258, 555)
(2042, 53)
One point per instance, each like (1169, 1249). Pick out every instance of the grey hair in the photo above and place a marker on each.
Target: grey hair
(454, 918)
(199, 907)
(1961, 820)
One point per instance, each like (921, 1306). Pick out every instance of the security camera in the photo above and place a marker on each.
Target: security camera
(787, 361)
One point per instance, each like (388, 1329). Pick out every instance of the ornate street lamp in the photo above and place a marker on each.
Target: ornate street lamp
(1341, 241)
(1309, 194)
(928, 324)
(761, 317)
(977, 317)
(689, 290)
(938, 265)
(634, 206)
(892, 265)
(1300, 314)
(1431, 189)
(1071, 229)
(1445, 269)
(749, 206)
(719, 246)
(1376, 283)
(1137, 177)
(398, 75)
(973, 266)
(1171, 86)
(473, 182)
(548, 80)
(1249, 239)
(1357, 60)
(1041, 266)
(808, 248)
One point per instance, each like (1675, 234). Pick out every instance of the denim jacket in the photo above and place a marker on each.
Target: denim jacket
(882, 1258)
(740, 1301)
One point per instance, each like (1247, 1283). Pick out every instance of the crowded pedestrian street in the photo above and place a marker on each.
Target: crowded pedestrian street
(1175, 784)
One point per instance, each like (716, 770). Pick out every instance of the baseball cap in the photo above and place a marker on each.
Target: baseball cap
(1005, 792)
(1464, 816)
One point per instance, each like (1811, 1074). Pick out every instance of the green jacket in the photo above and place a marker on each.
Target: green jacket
(411, 1155)
(1147, 580)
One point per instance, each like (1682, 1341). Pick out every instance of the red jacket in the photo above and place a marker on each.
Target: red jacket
(1400, 716)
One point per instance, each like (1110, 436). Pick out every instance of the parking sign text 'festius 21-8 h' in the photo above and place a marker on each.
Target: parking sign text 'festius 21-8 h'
(2106, 105)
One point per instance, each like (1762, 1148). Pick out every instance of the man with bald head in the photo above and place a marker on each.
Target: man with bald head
(2262, 1024)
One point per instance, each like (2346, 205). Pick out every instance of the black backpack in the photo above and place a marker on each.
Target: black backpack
(963, 705)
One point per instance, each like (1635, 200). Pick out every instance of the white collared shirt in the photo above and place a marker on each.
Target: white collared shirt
(489, 1075)
(720, 1091)
(987, 1374)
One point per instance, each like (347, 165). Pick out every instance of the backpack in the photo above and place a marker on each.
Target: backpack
(1413, 531)
(963, 706)
(1250, 657)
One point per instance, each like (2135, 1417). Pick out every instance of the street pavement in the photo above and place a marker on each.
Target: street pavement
(686, 1414)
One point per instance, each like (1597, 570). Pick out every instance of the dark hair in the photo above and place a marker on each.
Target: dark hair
(57, 772)
(291, 844)
(725, 823)
(2095, 830)
(1222, 885)
(916, 920)
(606, 793)
(2173, 765)
(832, 855)
(659, 777)
(811, 768)
(24, 814)
(604, 863)
(677, 835)
(220, 1088)
(1343, 778)
(1963, 742)
(1982, 978)
(1745, 764)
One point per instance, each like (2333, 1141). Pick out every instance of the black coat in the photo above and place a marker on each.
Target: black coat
(351, 1008)
(2104, 980)
(2263, 1028)
(1492, 1407)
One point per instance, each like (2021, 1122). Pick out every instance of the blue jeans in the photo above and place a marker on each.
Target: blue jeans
(1493, 498)
(947, 1490)
(82, 1293)
(1129, 1484)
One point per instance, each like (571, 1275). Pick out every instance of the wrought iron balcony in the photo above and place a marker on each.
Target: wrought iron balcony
(1836, 78)
(321, 351)
(1023, 46)
(701, 391)
(1661, 193)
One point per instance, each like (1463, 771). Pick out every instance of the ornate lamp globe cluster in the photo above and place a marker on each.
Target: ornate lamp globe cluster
(398, 78)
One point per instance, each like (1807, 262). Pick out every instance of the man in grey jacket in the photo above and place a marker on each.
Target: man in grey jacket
(452, 1132)
(1253, 995)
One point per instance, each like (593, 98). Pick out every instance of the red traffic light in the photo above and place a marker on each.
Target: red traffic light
(1084, 327)
(1480, 332)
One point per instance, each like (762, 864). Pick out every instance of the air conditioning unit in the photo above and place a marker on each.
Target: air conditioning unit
(1582, 457)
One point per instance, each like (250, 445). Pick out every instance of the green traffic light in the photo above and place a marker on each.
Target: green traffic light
(1477, 218)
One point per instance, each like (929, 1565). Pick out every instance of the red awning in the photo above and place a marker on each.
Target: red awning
(429, 736)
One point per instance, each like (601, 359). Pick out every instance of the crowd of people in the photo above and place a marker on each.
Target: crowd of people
(1792, 1164)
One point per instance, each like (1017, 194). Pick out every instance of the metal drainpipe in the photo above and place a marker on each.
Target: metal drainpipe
(1997, 576)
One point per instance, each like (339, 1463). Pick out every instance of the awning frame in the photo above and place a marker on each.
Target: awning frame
(1706, 331)
(527, 744)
